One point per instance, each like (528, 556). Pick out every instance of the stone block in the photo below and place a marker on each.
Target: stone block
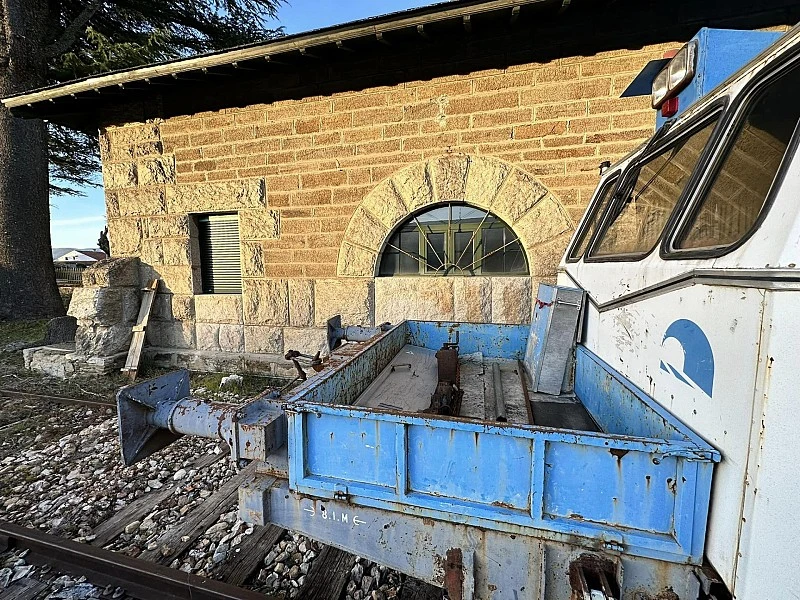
(366, 230)
(125, 236)
(511, 300)
(156, 171)
(261, 339)
(231, 338)
(218, 308)
(484, 180)
(137, 202)
(259, 224)
(60, 330)
(543, 259)
(153, 252)
(207, 336)
(174, 334)
(119, 175)
(426, 298)
(544, 222)
(177, 279)
(308, 340)
(265, 302)
(177, 251)
(472, 299)
(113, 272)
(355, 261)
(252, 259)
(183, 307)
(92, 339)
(520, 194)
(223, 195)
(301, 302)
(386, 204)
(168, 226)
(104, 306)
(351, 298)
(449, 174)
(414, 186)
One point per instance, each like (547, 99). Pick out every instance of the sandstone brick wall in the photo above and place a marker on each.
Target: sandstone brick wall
(300, 173)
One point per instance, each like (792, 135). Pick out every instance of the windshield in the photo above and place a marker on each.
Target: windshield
(643, 205)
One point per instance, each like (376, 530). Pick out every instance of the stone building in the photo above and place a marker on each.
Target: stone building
(428, 164)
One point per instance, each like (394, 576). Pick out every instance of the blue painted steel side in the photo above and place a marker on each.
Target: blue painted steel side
(642, 486)
(637, 494)
(620, 407)
(720, 53)
(490, 339)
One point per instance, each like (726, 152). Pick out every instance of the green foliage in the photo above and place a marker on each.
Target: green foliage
(22, 331)
(95, 36)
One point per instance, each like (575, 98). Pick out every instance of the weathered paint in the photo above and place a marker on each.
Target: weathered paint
(495, 565)
(642, 487)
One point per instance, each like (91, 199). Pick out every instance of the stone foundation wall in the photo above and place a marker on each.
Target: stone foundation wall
(320, 182)
(106, 307)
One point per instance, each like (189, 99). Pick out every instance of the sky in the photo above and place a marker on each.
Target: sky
(76, 222)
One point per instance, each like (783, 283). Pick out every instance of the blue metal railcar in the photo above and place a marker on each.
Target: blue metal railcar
(410, 489)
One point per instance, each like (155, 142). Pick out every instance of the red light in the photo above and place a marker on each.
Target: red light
(670, 107)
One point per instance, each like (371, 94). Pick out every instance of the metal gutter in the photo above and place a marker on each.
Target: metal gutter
(375, 26)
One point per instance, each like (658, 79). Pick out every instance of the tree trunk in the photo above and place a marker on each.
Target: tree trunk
(27, 276)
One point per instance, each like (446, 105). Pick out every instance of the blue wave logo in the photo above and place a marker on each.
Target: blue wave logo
(685, 340)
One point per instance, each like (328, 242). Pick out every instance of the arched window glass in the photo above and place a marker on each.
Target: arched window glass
(453, 239)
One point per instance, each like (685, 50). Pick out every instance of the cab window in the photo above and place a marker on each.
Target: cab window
(645, 200)
(738, 190)
(590, 225)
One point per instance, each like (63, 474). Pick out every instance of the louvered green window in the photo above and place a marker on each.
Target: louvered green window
(220, 263)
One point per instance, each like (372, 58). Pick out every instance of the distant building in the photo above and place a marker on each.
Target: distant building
(74, 256)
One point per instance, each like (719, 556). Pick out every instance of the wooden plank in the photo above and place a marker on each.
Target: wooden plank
(414, 589)
(328, 575)
(108, 530)
(23, 589)
(180, 538)
(137, 341)
(247, 556)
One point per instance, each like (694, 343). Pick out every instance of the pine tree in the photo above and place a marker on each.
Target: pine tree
(49, 41)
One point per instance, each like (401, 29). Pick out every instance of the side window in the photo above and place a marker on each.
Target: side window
(220, 259)
(590, 226)
(737, 192)
(649, 194)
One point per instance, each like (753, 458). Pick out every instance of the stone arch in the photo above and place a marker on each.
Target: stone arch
(525, 204)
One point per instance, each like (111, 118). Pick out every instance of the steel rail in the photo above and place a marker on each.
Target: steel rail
(57, 399)
(141, 579)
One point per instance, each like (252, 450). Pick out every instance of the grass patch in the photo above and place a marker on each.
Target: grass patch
(251, 384)
(22, 331)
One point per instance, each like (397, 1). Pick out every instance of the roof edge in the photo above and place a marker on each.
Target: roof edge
(373, 26)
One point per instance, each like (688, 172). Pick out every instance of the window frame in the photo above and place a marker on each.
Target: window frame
(611, 183)
(201, 286)
(449, 242)
(715, 110)
(732, 122)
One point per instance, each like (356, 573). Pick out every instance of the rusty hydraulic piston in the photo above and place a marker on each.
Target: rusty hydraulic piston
(446, 400)
(154, 413)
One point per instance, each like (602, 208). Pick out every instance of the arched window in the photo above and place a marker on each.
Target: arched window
(453, 239)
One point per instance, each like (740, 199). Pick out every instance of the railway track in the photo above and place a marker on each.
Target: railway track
(14, 394)
(332, 574)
